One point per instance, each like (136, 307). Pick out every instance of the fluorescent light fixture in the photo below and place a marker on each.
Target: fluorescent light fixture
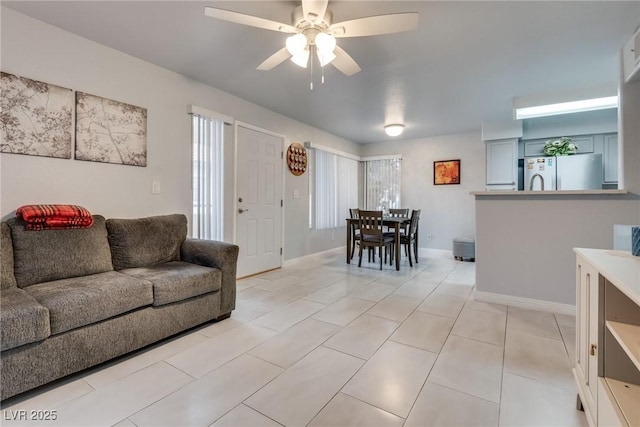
(567, 107)
(394, 129)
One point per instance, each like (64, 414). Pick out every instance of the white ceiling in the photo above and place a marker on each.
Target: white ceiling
(463, 65)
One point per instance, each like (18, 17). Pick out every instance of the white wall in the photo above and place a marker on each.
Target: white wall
(36, 50)
(447, 210)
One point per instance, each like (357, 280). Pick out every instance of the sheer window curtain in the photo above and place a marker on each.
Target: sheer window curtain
(208, 201)
(382, 184)
(336, 189)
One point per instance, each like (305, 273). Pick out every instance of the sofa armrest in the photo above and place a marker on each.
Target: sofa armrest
(221, 255)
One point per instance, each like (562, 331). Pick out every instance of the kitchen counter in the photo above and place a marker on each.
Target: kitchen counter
(508, 193)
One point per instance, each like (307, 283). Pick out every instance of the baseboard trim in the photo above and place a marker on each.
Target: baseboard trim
(435, 253)
(292, 261)
(526, 303)
(422, 252)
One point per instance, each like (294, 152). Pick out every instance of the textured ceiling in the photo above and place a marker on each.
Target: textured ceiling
(463, 65)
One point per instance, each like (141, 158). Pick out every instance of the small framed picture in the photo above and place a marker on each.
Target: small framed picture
(446, 172)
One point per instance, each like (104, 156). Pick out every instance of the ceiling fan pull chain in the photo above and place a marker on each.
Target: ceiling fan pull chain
(311, 49)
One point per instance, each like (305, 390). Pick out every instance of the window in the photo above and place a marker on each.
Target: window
(382, 183)
(336, 188)
(208, 141)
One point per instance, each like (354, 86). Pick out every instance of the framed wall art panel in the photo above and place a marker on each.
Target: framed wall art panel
(109, 131)
(35, 118)
(446, 172)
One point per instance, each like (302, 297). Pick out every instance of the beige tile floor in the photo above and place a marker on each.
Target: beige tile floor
(323, 343)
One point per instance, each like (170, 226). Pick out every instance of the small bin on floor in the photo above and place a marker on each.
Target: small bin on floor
(464, 247)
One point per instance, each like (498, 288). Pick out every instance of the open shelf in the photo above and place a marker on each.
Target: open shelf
(628, 336)
(627, 397)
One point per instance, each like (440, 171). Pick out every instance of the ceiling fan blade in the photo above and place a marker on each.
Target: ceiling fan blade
(250, 20)
(274, 60)
(344, 62)
(374, 25)
(314, 10)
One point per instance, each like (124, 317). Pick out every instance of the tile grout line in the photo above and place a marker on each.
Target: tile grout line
(504, 355)
(437, 356)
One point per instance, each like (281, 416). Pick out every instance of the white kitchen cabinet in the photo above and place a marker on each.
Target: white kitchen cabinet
(610, 158)
(502, 164)
(607, 359)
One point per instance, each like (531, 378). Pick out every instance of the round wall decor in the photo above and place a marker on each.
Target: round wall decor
(297, 159)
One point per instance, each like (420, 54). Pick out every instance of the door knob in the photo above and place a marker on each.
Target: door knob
(242, 210)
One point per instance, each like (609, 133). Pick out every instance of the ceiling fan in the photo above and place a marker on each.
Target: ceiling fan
(314, 31)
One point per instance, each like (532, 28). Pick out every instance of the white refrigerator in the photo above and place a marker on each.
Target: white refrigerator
(575, 172)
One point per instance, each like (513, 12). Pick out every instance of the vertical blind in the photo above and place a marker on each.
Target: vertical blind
(382, 184)
(208, 138)
(336, 189)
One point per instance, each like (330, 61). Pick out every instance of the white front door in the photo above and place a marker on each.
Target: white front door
(259, 200)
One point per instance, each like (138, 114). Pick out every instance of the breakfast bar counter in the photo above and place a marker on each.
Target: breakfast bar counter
(525, 241)
(558, 193)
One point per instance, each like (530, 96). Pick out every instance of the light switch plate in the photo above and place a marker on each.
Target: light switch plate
(155, 187)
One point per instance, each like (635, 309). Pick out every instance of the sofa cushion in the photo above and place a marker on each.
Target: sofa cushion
(177, 280)
(7, 279)
(80, 301)
(146, 241)
(46, 255)
(23, 319)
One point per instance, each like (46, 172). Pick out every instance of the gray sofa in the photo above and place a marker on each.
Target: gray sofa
(71, 299)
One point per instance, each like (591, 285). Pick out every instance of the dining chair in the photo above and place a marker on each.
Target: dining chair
(399, 213)
(409, 239)
(355, 230)
(371, 234)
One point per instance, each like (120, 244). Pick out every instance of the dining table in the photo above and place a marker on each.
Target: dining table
(397, 223)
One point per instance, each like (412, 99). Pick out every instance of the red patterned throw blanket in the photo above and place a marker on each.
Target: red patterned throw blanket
(54, 217)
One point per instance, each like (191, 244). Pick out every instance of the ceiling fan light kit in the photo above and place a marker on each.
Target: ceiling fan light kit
(301, 59)
(296, 43)
(299, 46)
(394, 129)
(313, 28)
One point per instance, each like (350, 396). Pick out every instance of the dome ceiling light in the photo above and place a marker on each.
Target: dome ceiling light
(394, 129)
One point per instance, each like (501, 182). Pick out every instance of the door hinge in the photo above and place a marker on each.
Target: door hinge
(282, 154)
(280, 251)
(281, 203)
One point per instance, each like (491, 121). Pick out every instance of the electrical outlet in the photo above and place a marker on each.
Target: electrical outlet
(429, 237)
